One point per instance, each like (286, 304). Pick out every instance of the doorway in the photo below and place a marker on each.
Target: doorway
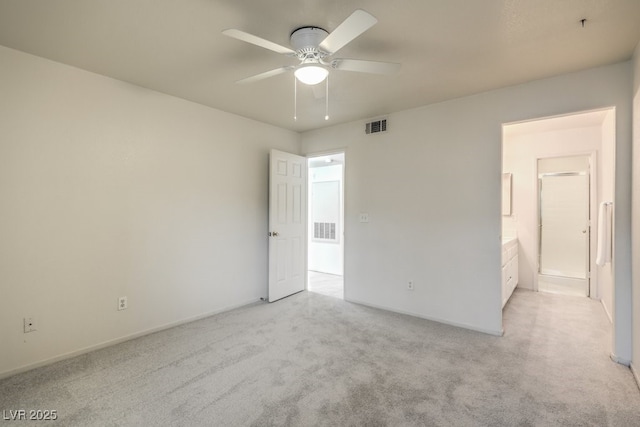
(564, 225)
(326, 225)
(534, 148)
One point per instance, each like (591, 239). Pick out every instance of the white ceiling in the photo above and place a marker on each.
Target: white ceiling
(448, 48)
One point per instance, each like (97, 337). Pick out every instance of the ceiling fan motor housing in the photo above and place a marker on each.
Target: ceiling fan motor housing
(305, 41)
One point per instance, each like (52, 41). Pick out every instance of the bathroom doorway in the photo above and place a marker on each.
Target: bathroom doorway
(570, 159)
(326, 224)
(578, 147)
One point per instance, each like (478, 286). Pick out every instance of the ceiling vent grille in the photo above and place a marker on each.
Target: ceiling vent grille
(376, 126)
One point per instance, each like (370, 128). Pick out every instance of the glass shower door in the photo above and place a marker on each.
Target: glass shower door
(564, 225)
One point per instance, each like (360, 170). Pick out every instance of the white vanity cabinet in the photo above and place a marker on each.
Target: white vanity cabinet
(509, 268)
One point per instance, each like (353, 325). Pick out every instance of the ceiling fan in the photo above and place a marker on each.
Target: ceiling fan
(313, 46)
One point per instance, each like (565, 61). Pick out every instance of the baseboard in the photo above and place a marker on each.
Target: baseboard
(606, 312)
(621, 361)
(69, 355)
(498, 333)
(635, 373)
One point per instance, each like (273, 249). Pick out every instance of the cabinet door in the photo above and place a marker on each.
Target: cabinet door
(505, 284)
(514, 272)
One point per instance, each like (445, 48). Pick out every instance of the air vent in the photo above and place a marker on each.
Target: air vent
(324, 230)
(376, 126)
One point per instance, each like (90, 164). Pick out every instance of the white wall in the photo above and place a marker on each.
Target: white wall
(636, 214)
(108, 189)
(431, 186)
(563, 164)
(605, 275)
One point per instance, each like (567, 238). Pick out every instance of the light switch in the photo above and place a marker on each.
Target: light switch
(364, 217)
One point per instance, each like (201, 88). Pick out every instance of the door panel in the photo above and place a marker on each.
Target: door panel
(287, 215)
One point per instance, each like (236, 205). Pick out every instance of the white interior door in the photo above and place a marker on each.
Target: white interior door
(287, 224)
(564, 225)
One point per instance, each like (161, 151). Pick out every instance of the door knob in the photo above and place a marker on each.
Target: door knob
(584, 231)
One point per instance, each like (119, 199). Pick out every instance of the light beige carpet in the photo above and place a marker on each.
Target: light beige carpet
(316, 360)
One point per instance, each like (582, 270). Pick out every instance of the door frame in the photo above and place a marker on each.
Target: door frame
(593, 214)
(323, 153)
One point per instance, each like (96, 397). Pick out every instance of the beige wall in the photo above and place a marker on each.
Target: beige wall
(636, 214)
(108, 189)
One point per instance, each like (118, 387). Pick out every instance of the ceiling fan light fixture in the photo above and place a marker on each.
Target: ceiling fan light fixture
(311, 74)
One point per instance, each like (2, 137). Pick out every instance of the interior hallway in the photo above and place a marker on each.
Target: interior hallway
(326, 284)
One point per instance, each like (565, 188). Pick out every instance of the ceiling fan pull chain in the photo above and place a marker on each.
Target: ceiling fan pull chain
(295, 98)
(326, 107)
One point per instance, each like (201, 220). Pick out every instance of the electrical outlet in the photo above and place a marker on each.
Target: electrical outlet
(29, 324)
(122, 303)
(364, 217)
(410, 285)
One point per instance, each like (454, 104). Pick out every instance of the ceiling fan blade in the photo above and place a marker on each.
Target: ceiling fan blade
(357, 23)
(373, 67)
(258, 41)
(265, 75)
